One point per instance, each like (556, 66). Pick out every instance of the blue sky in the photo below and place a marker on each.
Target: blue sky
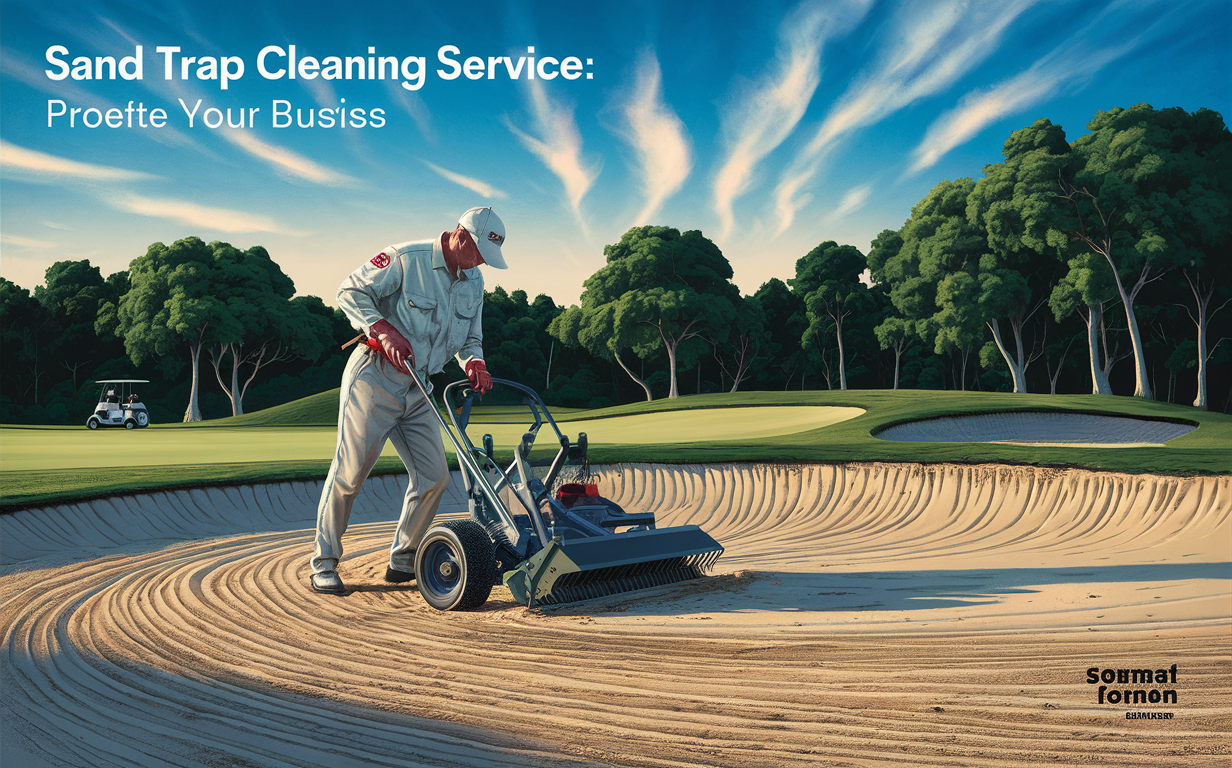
(769, 126)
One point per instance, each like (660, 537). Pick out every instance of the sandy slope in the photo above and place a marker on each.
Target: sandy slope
(863, 615)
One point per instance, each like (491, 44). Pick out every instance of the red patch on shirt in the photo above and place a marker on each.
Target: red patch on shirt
(380, 261)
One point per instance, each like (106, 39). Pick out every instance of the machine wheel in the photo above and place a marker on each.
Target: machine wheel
(130, 423)
(92, 423)
(455, 566)
(143, 418)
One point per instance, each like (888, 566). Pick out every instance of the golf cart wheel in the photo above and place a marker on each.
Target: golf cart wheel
(92, 423)
(130, 423)
(455, 566)
(143, 418)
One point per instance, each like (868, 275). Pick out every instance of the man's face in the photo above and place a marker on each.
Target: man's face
(466, 253)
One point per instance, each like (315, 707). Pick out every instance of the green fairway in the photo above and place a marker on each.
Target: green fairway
(25, 450)
(295, 441)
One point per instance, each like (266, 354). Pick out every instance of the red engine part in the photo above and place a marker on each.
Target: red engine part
(570, 493)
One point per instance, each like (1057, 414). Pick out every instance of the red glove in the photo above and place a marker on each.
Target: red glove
(386, 339)
(477, 372)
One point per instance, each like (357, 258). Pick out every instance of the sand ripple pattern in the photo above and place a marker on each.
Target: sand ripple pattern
(176, 629)
(905, 516)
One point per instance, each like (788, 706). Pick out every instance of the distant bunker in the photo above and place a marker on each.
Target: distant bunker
(1039, 428)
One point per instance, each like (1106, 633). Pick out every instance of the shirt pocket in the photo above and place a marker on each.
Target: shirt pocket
(465, 307)
(420, 313)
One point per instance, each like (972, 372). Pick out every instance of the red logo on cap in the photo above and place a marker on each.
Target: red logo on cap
(498, 239)
(380, 261)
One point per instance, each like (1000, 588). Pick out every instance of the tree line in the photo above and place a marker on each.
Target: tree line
(1098, 265)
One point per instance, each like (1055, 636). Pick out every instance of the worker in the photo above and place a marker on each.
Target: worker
(419, 303)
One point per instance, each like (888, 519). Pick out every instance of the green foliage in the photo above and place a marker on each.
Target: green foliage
(785, 322)
(659, 288)
(170, 301)
(1162, 178)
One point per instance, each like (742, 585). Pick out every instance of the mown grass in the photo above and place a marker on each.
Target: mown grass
(1205, 451)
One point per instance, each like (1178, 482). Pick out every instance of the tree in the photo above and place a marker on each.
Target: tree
(1149, 195)
(785, 325)
(933, 273)
(751, 339)
(72, 293)
(24, 327)
(262, 324)
(1086, 289)
(892, 331)
(1205, 294)
(170, 305)
(659, 289)
(515, 339)
(1015, 205)
(828, 280)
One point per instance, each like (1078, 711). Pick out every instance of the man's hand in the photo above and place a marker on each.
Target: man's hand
(395, 348)
(481, 380)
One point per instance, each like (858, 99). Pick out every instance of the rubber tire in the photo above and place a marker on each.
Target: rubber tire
(93, 423)
(130, 424)
(143, 419)
(465, 546)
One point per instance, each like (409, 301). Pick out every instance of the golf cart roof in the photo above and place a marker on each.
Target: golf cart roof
(122, 381)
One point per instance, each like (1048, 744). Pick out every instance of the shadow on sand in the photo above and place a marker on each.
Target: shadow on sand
(883, 590)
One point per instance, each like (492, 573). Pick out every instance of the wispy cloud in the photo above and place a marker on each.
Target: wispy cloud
(1068, 65)
(193, 214)
(853, 201)
(50, 168)
(34, 76)
(413, 105)
(664, 152)
(560, 148)
(931, 47)
(285, 161)
(25, 242)
(474, 185)
(765, 113)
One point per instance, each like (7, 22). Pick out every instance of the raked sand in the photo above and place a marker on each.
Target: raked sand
(1039, 428)
(862, 615)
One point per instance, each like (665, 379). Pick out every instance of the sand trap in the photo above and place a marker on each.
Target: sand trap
(1038, 428)
(863, 615)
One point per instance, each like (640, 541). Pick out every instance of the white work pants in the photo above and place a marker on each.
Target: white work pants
(378, 403)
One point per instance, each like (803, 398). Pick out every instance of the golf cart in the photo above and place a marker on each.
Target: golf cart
(119, 406)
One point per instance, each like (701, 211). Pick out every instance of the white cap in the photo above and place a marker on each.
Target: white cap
(488, 232)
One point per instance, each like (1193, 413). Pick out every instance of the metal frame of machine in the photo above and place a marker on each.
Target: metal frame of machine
(574, 546)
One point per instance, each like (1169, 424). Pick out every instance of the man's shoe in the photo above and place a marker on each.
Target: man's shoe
(398, 577)
(327, 582)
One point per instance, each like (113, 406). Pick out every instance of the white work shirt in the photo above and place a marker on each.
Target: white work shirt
(410, 286)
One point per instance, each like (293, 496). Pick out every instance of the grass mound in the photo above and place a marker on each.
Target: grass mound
(1201, 452)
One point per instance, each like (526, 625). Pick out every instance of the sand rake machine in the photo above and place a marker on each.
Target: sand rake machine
(547, 548)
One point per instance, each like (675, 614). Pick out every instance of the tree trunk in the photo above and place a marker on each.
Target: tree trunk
(1142, 387)
(632, 375)
(672, 392)
(742, 365)
(216, 359)
(1094, 319)
(1017, 370)
(193, 411)
(842, 363)
(237, 399)
(898, 356)
(1202, 321)
(547, 380)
